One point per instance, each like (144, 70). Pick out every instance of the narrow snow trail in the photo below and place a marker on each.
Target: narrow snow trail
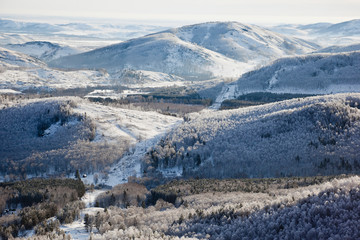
(227, 92)
(130, 163)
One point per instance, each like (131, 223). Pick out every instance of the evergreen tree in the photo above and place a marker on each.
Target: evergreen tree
(77, 174)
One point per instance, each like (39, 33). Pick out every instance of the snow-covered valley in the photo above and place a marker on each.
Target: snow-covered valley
(136, 113)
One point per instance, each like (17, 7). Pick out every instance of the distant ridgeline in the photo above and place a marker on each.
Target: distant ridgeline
(259, 98)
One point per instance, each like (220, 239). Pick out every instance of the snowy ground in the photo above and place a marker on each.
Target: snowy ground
(46, 78)
(116, 124)
(77, 228)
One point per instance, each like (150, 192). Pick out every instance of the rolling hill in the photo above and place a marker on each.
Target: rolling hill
(300, 137)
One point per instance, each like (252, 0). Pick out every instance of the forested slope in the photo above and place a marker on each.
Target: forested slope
(300, 137)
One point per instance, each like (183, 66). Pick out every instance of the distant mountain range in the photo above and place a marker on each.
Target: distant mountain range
(348, 28)
(325, 34)
(339, 49)
(78, 29)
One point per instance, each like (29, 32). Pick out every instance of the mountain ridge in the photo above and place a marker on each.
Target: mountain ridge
(171, 53)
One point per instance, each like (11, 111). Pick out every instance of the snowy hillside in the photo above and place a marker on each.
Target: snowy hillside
(13, 59)
(313, 74)
(47, 79)
(45, 51)
(242, 42)
(330, 211)
(310, 136)
(141, 78)
(162, 52)
(72, 133)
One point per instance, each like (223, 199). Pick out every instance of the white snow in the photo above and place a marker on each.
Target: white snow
(45, 78)
(113, 124)
(9, 91)
(52, 129)
(77, 228)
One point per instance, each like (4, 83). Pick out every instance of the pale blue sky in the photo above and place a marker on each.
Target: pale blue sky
(249, 11)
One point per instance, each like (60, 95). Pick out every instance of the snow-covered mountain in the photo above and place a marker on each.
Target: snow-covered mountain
(339, 49)
(242, 42)
(197, 51)
(162, 52)
(43, 50)
(9, 58)
(314, 74)
(310, 136)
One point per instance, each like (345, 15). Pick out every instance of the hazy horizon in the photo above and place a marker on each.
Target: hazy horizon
(176, 13)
